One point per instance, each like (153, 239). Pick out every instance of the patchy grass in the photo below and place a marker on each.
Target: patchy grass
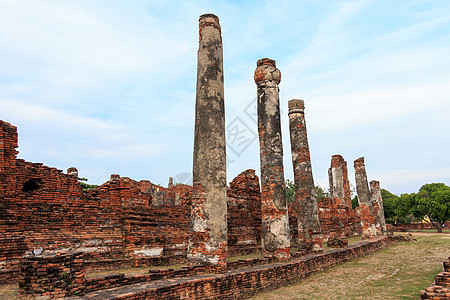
(130, 270)
(444, 230)
(398, 272)
(246, 256)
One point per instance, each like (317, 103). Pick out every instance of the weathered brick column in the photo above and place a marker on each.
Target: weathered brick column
(362, 185)
(274, 213)
(375, 197)
(367, 209)
(208, 243)
(340, 190)
(336, 176)
(339, 184)
(309, 231)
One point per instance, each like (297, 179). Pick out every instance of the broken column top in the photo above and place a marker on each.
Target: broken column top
(267, 71)
(208, 20)
(337, 160)
(266, 61)
(374, 184)
(359, 165)
(359, 161)
(72, 171)
(207, 17)
(296, 106)
(115, 177)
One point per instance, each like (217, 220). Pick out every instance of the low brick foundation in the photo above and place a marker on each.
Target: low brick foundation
(243, 282)
(55, 276)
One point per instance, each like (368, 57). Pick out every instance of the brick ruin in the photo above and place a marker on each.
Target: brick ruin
(338, 218)
(48, 222)
(121, 222)
(440, 289)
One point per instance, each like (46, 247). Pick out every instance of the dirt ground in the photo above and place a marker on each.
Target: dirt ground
(398, 272)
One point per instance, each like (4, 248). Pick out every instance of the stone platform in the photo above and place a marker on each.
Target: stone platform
(244, 282)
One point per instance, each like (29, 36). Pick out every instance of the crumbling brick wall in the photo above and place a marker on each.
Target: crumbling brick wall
(244, 214)
(337, 220)
(40, 207)
(122, 220)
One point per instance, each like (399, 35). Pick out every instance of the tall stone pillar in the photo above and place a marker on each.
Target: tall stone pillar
(362, 185)
(337, 182)
(340, 190)
(309, 231)
(367, 210)
(375, 197)
(274, 212)
(208, 242)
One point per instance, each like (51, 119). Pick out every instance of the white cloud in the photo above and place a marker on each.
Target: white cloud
(111, 86)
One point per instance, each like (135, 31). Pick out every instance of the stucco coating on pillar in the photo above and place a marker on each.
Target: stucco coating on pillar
(367, 210)
(274, 213)
(309, 231)
(208, 243)
(375, 197)
(362, 185)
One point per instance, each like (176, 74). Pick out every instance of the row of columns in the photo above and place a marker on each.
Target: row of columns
(208, 242)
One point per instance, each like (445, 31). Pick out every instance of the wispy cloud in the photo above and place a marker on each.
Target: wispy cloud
(110, 86)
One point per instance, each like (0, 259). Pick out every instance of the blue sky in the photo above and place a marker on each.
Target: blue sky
(109, 86)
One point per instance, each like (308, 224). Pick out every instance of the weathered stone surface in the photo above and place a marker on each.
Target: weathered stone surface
(362, 185)
(375, 197)
(338, 218)
(208, 243)
(274, 213)
(367, 209)
(309, 232)
(339, 184)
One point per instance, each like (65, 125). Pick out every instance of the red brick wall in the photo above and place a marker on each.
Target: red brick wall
(40, 207)
(244, 214)
(337, 220)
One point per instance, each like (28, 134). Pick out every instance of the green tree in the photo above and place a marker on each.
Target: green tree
(355, 202)
(389, 204)
(290, 191)
(86, 186)
(321, 193)
(432, 201)
(402, 208)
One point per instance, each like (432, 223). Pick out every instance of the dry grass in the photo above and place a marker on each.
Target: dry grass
(398, 272)
(130, 270)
